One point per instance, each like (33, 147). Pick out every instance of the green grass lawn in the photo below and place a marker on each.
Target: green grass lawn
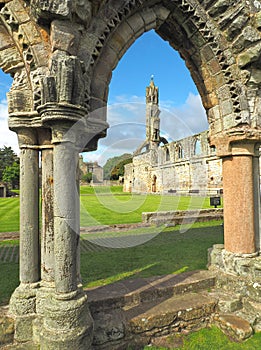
(108, 205)
(209, 339)
(105, 206)
(9, 214)
(170, 251)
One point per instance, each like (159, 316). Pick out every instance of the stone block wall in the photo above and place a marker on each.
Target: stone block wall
(185, 166)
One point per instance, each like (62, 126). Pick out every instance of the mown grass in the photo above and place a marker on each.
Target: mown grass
(105, 206)
(108, 205)
(9, 214)
(9, 273)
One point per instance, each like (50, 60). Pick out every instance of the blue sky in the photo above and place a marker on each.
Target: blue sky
(182, 113)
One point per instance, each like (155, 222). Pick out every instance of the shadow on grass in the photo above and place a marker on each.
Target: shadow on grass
(169, 252)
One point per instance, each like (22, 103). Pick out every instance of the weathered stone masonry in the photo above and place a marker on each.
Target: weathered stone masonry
(61, 55)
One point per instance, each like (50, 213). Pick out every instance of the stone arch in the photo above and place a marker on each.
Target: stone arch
(200, 42)
(61, 55)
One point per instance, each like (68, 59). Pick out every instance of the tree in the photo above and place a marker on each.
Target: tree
(7, 158)
(118, 170)
(87, 177)
(11, 176)
(112, 163)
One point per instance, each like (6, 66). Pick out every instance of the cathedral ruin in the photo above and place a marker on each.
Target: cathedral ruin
(184, 167)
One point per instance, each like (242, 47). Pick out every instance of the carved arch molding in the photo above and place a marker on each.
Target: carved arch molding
(61, 55)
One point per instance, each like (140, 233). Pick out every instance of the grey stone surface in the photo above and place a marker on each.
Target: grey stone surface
(6, 328)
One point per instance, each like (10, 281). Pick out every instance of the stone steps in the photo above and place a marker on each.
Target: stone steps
(189, 311)
(135, 291)
(227, 302)
(134, 311)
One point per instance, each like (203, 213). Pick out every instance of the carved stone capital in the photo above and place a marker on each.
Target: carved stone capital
(65, 121)
(20, 120)
(65, 84)
(60, 112)
(243, 141)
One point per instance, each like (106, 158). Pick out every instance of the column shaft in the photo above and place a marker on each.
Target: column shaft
(29, 216)
(257, 200)
(47, 265)
(239, 204)
(66, 217)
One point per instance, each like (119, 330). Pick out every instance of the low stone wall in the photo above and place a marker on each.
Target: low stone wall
(182, 216)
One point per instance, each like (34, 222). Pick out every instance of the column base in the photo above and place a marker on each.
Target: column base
(64, 322)
(22, 308)
(240, 273)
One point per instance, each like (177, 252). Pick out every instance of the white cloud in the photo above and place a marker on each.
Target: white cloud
(127, 124)
(7, 137)
(181, 121)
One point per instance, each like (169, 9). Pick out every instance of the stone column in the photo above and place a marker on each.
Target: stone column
(29, 216)
(66, 240)
(240, 199)
(23, 300)
(66, 321)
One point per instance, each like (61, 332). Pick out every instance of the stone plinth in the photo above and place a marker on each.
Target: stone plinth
(65, 323)
(240, 273)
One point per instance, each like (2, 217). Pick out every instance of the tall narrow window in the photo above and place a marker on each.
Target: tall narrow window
(197, 150)
(180, 152)
(167, 155)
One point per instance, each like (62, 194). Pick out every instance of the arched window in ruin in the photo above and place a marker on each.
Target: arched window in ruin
(167, 155)
(180, 152)
(154, 184)
(197, 147)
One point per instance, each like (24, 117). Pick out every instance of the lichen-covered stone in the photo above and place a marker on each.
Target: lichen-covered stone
(234, 326)
(7, 325)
